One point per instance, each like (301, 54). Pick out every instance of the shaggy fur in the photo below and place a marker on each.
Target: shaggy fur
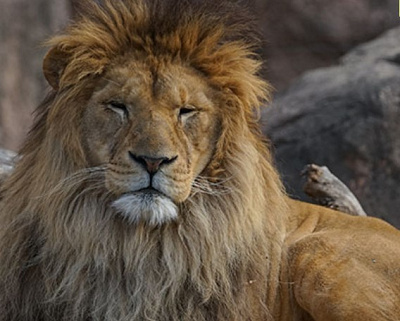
(230, 246)
(65, 255)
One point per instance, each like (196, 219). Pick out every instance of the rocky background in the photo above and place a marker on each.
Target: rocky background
(345, 116)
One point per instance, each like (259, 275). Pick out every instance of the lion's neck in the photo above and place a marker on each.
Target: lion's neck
(205, 266)
(208, 261)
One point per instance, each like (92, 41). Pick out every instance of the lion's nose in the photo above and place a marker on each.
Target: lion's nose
(152, 164)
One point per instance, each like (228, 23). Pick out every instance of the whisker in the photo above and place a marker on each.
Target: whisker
(83, 192)
(202, 185)
(75, 179)
(210, 180)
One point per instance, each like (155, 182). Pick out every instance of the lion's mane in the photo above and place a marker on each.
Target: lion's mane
(65, 256)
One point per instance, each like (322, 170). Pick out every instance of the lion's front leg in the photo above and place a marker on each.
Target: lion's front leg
(348, 273)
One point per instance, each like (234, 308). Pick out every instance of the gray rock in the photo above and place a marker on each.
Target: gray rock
(346, 117)
(307, 34)
(7, 159)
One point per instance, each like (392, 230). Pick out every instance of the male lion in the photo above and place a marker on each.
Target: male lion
(145, 191)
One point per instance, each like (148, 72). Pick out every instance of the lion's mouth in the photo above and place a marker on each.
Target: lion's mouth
(147, 204)
(149, 190)
(147, 193)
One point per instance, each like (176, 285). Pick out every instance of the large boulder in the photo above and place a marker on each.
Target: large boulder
(303, 35)
(346, 117)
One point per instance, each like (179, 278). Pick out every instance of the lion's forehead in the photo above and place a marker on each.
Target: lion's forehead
(172, 84)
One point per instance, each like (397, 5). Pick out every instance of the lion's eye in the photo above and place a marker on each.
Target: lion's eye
(186, 111)
(118, 107)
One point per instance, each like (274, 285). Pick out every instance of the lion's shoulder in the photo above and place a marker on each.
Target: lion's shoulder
(340, 264)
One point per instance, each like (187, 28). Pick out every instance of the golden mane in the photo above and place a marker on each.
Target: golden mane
(216, 38)
(61, 244)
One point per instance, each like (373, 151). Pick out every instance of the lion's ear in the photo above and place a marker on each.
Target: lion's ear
(54, 64)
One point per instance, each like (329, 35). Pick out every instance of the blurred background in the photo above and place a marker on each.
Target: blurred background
(300, 35)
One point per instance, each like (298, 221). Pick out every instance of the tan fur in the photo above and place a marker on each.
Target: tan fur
(237, 249)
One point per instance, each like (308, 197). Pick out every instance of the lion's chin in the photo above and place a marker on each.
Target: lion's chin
(153, 208)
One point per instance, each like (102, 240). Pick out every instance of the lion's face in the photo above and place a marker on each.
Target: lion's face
(155, 130)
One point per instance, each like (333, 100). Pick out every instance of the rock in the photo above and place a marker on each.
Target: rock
(7, 159)
(302, 35)
(346, 117)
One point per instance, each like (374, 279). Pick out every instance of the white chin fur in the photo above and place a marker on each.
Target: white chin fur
(152, 208)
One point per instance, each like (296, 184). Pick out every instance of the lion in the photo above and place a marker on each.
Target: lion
(145, 190)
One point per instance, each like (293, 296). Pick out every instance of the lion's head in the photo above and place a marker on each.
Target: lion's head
(154, 126)
(145, 188)
(157, 105)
